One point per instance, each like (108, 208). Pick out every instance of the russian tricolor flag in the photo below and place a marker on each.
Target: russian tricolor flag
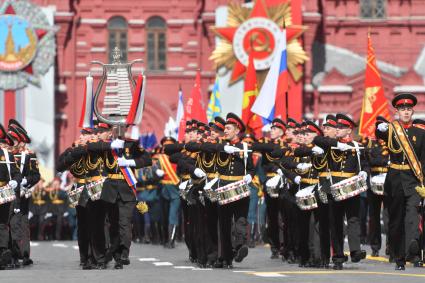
(271, 101)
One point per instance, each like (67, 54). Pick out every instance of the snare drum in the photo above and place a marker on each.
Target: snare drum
(305, 198)
(377, 184)
(232, 192)
(94, 189)
(323, 196)
(348, 188)
(209, 192)
(273, 185)
(184, 188)
(7, 194)
(74, 195)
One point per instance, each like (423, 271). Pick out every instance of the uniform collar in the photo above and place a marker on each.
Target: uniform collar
(406, 126)
(234, 141)
(346, 139)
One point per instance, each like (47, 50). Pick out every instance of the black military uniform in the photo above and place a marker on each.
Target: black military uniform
(232, 168)
(399, 189)
(378, 157)
(181, 157)
(206, 236)
(309, 257)
(74, 160)
(270, 157)
(26, 161)
(9, 174)
(343, 165)
(118, 195)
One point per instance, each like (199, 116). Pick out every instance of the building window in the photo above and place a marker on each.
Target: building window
(156, 43)
(372, 9)
(117, 37)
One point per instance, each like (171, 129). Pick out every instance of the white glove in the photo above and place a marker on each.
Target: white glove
(13, 184)
(30, 215)
(247, 178)
(159, 172)
(317, 150)
(363, 174)
(303, 166)
(343, 146)
(383, 127)
(297, 180)
(48, 215)
(66, 214)
(24, 181)
(279, 172)
(199, 173)
(123, 162)
(117, 144)
(16, 210)
(230, 149)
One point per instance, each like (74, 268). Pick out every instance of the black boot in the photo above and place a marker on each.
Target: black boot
(147, 236)
(172, 229)
(5, 257)
(155, 234)
(251, 241)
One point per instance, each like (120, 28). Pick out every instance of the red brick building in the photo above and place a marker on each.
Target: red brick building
(174, 39)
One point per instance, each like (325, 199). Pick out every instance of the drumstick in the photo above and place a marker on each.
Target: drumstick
(351, 147)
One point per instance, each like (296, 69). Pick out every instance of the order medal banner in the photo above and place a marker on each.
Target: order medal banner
(27, 44)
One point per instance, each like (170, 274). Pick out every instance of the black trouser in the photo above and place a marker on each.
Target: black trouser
(375, 204)
(201, 234)
(324, 215)
(239, 211)
(403, 223)
(96, 223)
(188, 228)
(290, 230)
(273, 208)
(120, 214)
(83, 232)
(364, 211)
(306, 232)
(211, 211)
(350, 209)
(4, 221)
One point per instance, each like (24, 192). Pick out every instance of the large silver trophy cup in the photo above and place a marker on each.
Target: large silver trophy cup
(121, 90)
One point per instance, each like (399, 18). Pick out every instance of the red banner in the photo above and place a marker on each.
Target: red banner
(374, 101)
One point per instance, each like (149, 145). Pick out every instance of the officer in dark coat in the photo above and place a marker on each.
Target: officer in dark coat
(401, 181)
(118, 194)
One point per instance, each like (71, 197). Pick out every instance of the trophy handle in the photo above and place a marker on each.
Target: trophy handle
(129, 66)
(97, 93)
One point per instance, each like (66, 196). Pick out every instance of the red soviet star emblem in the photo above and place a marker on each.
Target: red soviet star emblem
(255, 34)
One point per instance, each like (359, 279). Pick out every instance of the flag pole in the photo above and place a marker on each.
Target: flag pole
(286, 91)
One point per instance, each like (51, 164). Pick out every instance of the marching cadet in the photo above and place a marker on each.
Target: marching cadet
(255, 189)
(95, 206)
(27, 163)
(307, 152)
(182, 158)
(10, 178)
(404, 180)
(378, 157)
(344, 163)
(324, 193)
(270, 158)
(169, 191)
(233, 164)
(120, 157)
(74, 160)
